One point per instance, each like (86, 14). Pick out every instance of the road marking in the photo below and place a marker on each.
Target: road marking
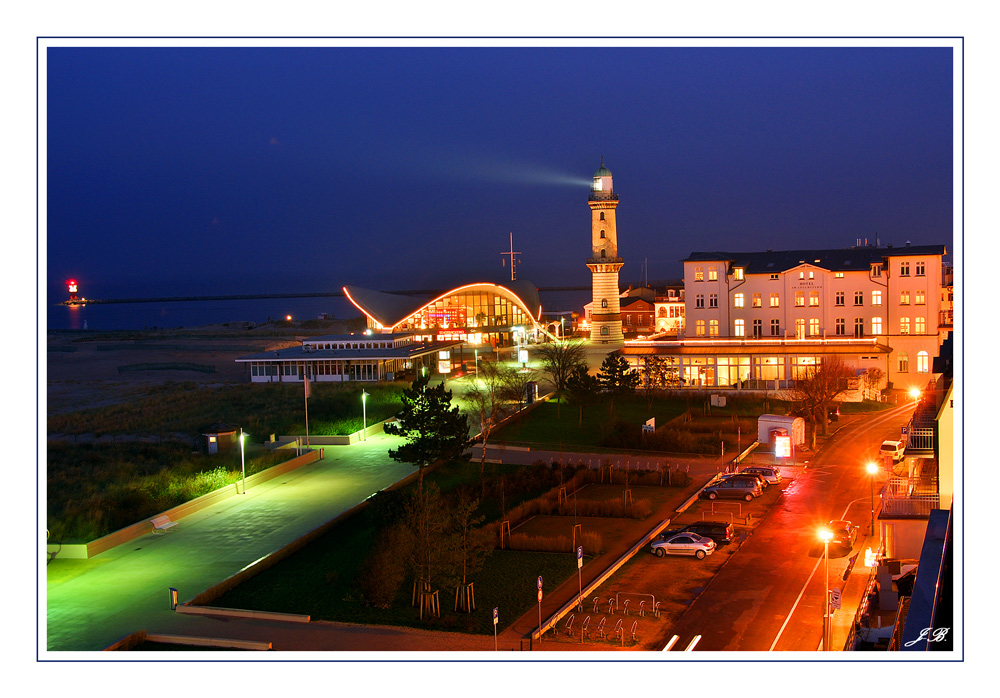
(789, 616)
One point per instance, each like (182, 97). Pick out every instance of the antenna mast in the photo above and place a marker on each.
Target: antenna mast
(514, 259)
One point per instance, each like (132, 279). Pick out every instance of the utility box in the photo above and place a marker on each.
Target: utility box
(770, 425)
(531, 392)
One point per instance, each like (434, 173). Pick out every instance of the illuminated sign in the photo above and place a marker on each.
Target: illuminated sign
(522, 355)
(783, 446)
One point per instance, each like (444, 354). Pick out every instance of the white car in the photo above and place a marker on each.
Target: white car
(772, 476)
(683, 544)
(892, 448)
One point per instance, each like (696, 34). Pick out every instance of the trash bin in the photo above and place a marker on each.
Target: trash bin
(531, 390)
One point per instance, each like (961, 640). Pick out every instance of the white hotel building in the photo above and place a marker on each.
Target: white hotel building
(759, 320)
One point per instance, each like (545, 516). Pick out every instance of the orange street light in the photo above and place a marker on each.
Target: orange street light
(826, 535)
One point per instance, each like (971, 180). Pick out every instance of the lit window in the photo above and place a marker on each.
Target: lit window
(800, 299)
(920, 325)
(800, 328)
(814, 327)
(904, 362)
(756, 300)
(814, 299)
(904, 325)
(802, 275)
(876, 298)
(713, 328)
(738, 273)
(699, 328)
(876, 325)
(774, 300)
(699, 274)
(738, 300)
(904, 297)
(713, 274)
(811, 275)
(923, 362)
(919, 298)
(738, 328)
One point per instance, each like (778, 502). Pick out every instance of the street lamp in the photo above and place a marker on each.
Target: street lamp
(872, 469)
(364, 416)
(243, 461)
(826, 535)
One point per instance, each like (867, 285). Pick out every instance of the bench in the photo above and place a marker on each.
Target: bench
(161, 524)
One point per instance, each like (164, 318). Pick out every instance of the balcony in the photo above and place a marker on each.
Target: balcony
(904, 497)
(602, 196)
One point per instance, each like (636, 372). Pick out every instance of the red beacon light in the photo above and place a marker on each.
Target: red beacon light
(71, 285)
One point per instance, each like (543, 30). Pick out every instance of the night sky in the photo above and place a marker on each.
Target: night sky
(190, 171)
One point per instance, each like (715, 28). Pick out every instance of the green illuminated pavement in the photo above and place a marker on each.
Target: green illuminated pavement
(93, 603)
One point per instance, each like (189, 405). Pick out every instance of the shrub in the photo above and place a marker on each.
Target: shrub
(383, 571)
(591, 542)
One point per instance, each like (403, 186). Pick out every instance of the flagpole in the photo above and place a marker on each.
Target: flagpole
(305, 382)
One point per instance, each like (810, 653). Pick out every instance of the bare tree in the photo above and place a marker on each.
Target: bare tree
(559, 361)
(872, 381)
(487, 399)
(815, 392)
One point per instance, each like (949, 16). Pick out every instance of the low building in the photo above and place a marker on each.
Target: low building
(361, 357)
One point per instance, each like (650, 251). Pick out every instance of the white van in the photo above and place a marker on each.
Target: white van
(892, 448)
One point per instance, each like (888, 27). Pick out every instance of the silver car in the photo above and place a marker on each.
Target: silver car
(772, 476)
(683, 544)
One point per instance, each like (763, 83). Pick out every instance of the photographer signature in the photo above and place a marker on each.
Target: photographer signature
(931, 635)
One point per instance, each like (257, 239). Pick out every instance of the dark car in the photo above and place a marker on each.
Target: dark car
(844, 533)
(761, 480)
(721, 533)
(833, 412)
(734, 487)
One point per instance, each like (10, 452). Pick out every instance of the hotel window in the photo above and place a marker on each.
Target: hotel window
(699, 274)
(904, 362)
(738, 328)
(859, 327)
(699, 328)
(738, 273)
(800, 328)
(713, 300)
(904, 269)
(876, 298)
(840, 326)
(859, 298)
(838, 275)
(758, 328)
(876, 325)
(904, 325)
(814, 299)
(802, 275)
(812, 275)
(838, 299)
(738, 300)
(919, 298)
(699, 301)
(904, 297)
(800, 299)
(814, 327)
(713, 328)
(774, 300)
(919, 269)
(713, 274)
(775, 328)
(756, 300)
(923, 362)
(920, 325)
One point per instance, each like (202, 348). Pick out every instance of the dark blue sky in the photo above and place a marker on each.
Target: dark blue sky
(186, 171)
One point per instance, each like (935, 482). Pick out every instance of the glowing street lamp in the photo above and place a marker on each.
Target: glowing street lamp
(826, 535)
(872, 469)
(364, 416)
(243, 461)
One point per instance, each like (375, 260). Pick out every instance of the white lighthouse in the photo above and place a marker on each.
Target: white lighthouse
(604, 262)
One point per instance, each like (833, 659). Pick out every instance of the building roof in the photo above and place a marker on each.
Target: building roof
(846, 259)
(389, 309)
(305, 354)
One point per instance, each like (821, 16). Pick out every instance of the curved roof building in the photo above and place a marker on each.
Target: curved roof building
(478, 313)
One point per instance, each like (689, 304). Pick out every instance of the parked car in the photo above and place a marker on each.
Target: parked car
(734, 487)
(771, 475)
(683, 544)
(844, 533)
(833, 412)
(757, 476)
(892, 448)
(722, 533)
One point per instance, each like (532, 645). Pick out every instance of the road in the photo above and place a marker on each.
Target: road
(769, 597)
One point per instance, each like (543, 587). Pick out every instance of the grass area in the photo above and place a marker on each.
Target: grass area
(95, 489)
(261, 409)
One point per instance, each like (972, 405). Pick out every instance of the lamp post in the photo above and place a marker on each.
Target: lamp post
(872, 469)
(364, 416)
(825, 535)
(243, 467)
